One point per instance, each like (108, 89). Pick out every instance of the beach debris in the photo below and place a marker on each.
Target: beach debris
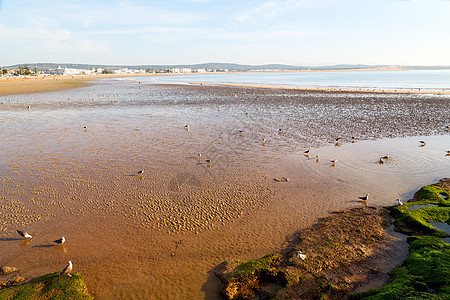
(60, 241)
(282, 179)
(301, 256)
(6, 270)
(399, 202)
(67, 270)
(364, 198)
(24, 234)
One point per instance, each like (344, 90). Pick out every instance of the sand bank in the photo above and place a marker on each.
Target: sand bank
(333, 89)
(26, 85)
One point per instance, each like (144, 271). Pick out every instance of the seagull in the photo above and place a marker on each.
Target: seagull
(67, 270)
(264, 139)
(387, 156)
(141, 171)
(307, 151)
(186, 126)
(422, 142)
(399, 202)
(338, 139)
(24, 234)
(60, 241)
(240, 131)
(334, 161)
(365, 198)
(317, 158)
(280, 130)
(301, 256)
(381, 161)
(208, 160)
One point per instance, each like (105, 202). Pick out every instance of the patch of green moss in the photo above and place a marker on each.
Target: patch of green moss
(427, 268)
(50, 286)
(431, 193)
(265, 265)
(417, 221)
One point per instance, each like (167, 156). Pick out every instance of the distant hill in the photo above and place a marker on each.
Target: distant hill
(216, 66)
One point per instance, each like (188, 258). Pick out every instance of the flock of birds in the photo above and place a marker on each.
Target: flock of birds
(382, 160)
(68, 268)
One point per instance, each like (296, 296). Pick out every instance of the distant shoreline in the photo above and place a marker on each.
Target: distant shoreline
(40, 84)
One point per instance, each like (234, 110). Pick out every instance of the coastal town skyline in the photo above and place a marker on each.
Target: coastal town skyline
(197, 31)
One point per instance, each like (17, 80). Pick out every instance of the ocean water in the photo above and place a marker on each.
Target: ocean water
(404, 79)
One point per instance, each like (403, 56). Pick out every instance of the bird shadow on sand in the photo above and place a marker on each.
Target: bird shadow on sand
(9, 239)
(44, 246)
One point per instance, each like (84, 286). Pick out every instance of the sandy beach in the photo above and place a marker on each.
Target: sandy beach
(69, 167)
(39, 84)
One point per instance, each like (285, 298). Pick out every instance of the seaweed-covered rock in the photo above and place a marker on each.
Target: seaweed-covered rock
(425, 274)
(335, 250)
(247, 279)
(50, 286)
(416, 222)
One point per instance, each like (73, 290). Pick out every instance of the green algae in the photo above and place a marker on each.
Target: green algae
(417, 221)
(50, 286)
(248, 269)
(425, 274)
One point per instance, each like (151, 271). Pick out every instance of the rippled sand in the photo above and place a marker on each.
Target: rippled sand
(158, 234)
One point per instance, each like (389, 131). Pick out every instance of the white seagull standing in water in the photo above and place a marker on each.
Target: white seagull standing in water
(365, 198)
(60, 241)
(24, 234)
(67, 270)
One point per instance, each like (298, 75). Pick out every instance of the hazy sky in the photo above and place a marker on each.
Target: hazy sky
(301, 32)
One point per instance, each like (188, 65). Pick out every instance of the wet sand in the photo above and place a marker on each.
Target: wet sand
(159, 235)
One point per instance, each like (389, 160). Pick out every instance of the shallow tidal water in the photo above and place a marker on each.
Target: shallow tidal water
(69, 166)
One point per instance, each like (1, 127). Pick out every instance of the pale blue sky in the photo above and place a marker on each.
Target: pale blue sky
(301, 32)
